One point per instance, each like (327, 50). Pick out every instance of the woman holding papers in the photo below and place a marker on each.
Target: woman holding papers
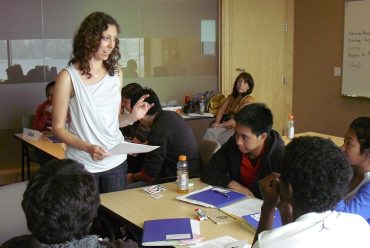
(89, 90)
(357, 149)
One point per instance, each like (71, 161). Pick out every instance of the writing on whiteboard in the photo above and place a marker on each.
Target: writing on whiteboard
(358, 48)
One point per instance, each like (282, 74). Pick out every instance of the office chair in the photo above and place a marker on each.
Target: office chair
(207, 148)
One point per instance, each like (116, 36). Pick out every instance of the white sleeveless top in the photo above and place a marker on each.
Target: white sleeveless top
(94, 113)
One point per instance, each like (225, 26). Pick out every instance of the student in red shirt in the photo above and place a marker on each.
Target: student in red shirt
(44, 111)
(253, 152)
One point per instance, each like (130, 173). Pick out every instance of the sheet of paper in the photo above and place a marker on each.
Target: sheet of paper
(131, 148)
(222, 242)
(245, 207)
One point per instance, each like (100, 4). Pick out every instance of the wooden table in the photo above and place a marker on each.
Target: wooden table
(55, 150)
(136, 206)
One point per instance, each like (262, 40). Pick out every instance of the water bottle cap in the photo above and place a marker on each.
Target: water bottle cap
(182, 157)
(291, 117)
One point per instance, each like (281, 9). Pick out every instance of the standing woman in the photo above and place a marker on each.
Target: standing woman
(89, 90)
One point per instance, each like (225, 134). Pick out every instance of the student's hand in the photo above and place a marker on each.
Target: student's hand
(140, 108)
(130, 178)
(97, 153)
(269, 187)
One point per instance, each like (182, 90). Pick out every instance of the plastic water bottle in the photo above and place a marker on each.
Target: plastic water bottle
(290, 127)
(182, 175)
(202, 105)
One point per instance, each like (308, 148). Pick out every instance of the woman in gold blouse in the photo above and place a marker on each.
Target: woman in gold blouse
(223, 126)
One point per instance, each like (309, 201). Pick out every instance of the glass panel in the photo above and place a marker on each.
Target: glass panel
(161, 43)
(3, 61)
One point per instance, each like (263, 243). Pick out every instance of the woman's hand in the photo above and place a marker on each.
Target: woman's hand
(97, 153)
(215, 124)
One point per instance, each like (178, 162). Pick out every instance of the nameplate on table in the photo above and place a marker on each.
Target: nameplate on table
(31, 134)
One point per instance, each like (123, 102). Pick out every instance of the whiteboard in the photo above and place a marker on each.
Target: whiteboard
(356, 49)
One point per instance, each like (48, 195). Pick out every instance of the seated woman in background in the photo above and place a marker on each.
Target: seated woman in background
(357, 149)
(223, 126)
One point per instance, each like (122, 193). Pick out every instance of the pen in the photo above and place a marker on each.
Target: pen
(221, 193)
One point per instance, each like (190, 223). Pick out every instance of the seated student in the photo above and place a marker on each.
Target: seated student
(136, 132)
(252, 153)
(60, 204)
(127, 92)
(44, 111)
(172, 134)
(314, 176)
(223, 126)
(357, 149)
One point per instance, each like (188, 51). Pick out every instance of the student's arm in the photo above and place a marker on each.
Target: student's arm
(243, 102)
(153, 161)
(269, 187)
(62, 94)
(234, 185)
(359, 204)
(220, 113)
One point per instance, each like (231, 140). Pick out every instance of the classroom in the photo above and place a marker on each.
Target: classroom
(295, 51)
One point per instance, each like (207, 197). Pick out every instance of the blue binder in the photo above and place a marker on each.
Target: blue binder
(164, 231)
(253, 219)
(217, 197)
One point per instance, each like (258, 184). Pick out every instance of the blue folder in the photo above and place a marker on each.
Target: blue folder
(54, 139)
(215, 198)
(253, 219)
(163, 231)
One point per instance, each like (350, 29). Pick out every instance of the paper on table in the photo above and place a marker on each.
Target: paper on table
(131, 148)
(245, 207)
(222, 242)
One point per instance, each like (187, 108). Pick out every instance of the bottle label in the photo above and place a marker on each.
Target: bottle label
(291, 132)
(183, 181)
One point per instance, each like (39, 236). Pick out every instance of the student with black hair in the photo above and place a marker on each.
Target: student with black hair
(252, 153)
(172, 134)
(313, 178)
(60, 203)
(357, 149)
(43, 117)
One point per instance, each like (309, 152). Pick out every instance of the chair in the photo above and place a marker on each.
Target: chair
(207, 148)
(13, 220)
(28, 153)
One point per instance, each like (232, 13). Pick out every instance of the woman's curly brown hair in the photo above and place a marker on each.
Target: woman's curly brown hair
(87, 41)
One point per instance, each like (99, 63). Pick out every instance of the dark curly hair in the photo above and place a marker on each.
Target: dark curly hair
(361, 126)
(257, 116)
(60, 202)
(318, 172)
(249, 79)
(87, 40)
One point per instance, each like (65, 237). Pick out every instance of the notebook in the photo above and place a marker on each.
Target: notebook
(250, 222)
(214, 197)
(54, 139)
(166, 232)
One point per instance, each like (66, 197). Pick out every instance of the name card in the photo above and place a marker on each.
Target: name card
(31, 134)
